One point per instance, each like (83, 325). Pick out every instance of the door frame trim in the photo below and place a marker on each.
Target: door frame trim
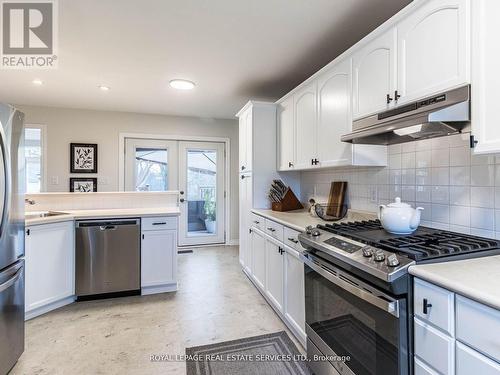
(172, 137)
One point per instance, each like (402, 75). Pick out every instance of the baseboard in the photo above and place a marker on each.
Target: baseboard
(47, 308)
(156, 289)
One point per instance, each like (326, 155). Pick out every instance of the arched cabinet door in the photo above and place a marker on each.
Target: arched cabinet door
(433, 49)
(305, 126)
(334, 115)
(374, 75)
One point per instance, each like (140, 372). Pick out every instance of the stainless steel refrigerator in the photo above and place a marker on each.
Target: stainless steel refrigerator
(12, 183)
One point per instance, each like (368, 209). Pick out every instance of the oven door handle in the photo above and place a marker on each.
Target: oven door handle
(392, 307)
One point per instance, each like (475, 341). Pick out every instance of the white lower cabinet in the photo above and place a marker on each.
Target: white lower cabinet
(278, 272)
(159, 256)
(294, 308)
(258, 245)
(274, 273)
(471, 362)
(50, 267)
(453, 334)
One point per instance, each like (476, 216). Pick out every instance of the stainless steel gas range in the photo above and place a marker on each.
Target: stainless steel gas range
(359, 293)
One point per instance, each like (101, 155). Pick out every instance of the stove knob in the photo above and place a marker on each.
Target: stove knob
(392, 260)
(309, 229)
(367, 251)
(379, 256)
(315, 233)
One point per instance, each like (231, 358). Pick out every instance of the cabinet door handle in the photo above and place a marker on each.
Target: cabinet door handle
(243, 177)
(271, 229)
(243, 168)
(28, 232)
(280, 250)
(291, 239)
(426, 306)
(396, 95)
(143, 236)
(389, 99)
(181, 200)
(160, 223)
(290, 164)
(256, 222)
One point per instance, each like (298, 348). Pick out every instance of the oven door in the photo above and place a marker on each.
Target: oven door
(346, 317)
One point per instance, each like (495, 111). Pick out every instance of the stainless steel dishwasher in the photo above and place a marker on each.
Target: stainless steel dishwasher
(107, 258)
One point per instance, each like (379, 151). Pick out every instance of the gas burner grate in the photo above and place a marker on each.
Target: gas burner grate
(427, 243)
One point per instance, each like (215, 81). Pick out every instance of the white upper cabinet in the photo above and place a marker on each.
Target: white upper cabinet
(245, 141)
(334, 115)
(485, 95)
(374, 75)
(305, 126)
(433, 49)
(286, 134)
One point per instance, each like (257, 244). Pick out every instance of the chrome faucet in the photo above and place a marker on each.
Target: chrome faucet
(29, 201)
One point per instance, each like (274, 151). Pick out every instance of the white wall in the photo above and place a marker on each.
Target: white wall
(459, 191)
(102, 127)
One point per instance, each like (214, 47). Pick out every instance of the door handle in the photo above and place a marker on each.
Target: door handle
(426, 306)
(107, 227)
(10, 282)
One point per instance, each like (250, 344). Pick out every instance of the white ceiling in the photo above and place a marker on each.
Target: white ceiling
(233, 49)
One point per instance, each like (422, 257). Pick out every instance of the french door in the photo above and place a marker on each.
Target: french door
(201, 185)
(150, 165)
(196, 169)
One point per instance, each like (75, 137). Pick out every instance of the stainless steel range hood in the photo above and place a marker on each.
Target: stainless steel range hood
(436, 116)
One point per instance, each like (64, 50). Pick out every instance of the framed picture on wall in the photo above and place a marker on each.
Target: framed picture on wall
(82, 185)
(83, 158)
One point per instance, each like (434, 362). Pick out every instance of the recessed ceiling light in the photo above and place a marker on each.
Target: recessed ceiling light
(182, 84)
(37, 82)
(103, 88)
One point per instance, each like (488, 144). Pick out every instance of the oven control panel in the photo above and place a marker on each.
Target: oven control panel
(343, 245)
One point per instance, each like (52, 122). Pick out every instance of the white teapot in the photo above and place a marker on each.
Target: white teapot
(399, 218)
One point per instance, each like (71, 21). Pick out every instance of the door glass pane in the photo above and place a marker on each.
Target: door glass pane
(33, 157)
(151, 167)
(201, 192)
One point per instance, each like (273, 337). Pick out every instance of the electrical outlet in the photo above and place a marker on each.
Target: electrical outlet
(373, 194)
(54, 180)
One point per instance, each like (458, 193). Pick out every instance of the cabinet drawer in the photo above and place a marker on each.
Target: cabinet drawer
(478, 326)
(434, 347)
(158, 223)
(441, 313)
(290, 238)
(257, 221)
(422, 369)
(274, 230)
(471, 362)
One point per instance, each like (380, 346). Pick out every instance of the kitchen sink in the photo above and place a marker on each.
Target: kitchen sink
(34, 215)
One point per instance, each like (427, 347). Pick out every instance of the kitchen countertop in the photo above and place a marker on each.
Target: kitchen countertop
(299, 219)
(70, 215)
(477, 279)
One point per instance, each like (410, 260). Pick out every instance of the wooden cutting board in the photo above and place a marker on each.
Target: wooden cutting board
(336, 199)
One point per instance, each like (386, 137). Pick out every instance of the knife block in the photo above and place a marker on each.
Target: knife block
(288, 203)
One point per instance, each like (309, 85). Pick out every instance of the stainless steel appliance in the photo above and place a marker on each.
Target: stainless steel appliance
(12, 182)
(359, 294)
(107, 258)
(436, 116)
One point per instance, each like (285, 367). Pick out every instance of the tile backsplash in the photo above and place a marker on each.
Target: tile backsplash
(459, 191)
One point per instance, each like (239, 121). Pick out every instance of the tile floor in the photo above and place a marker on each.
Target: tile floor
(215, 302)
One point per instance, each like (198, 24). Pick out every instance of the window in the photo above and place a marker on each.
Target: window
(151, 169)
(33, 153)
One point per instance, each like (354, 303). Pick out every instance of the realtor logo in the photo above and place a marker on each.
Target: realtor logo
(29, 34)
